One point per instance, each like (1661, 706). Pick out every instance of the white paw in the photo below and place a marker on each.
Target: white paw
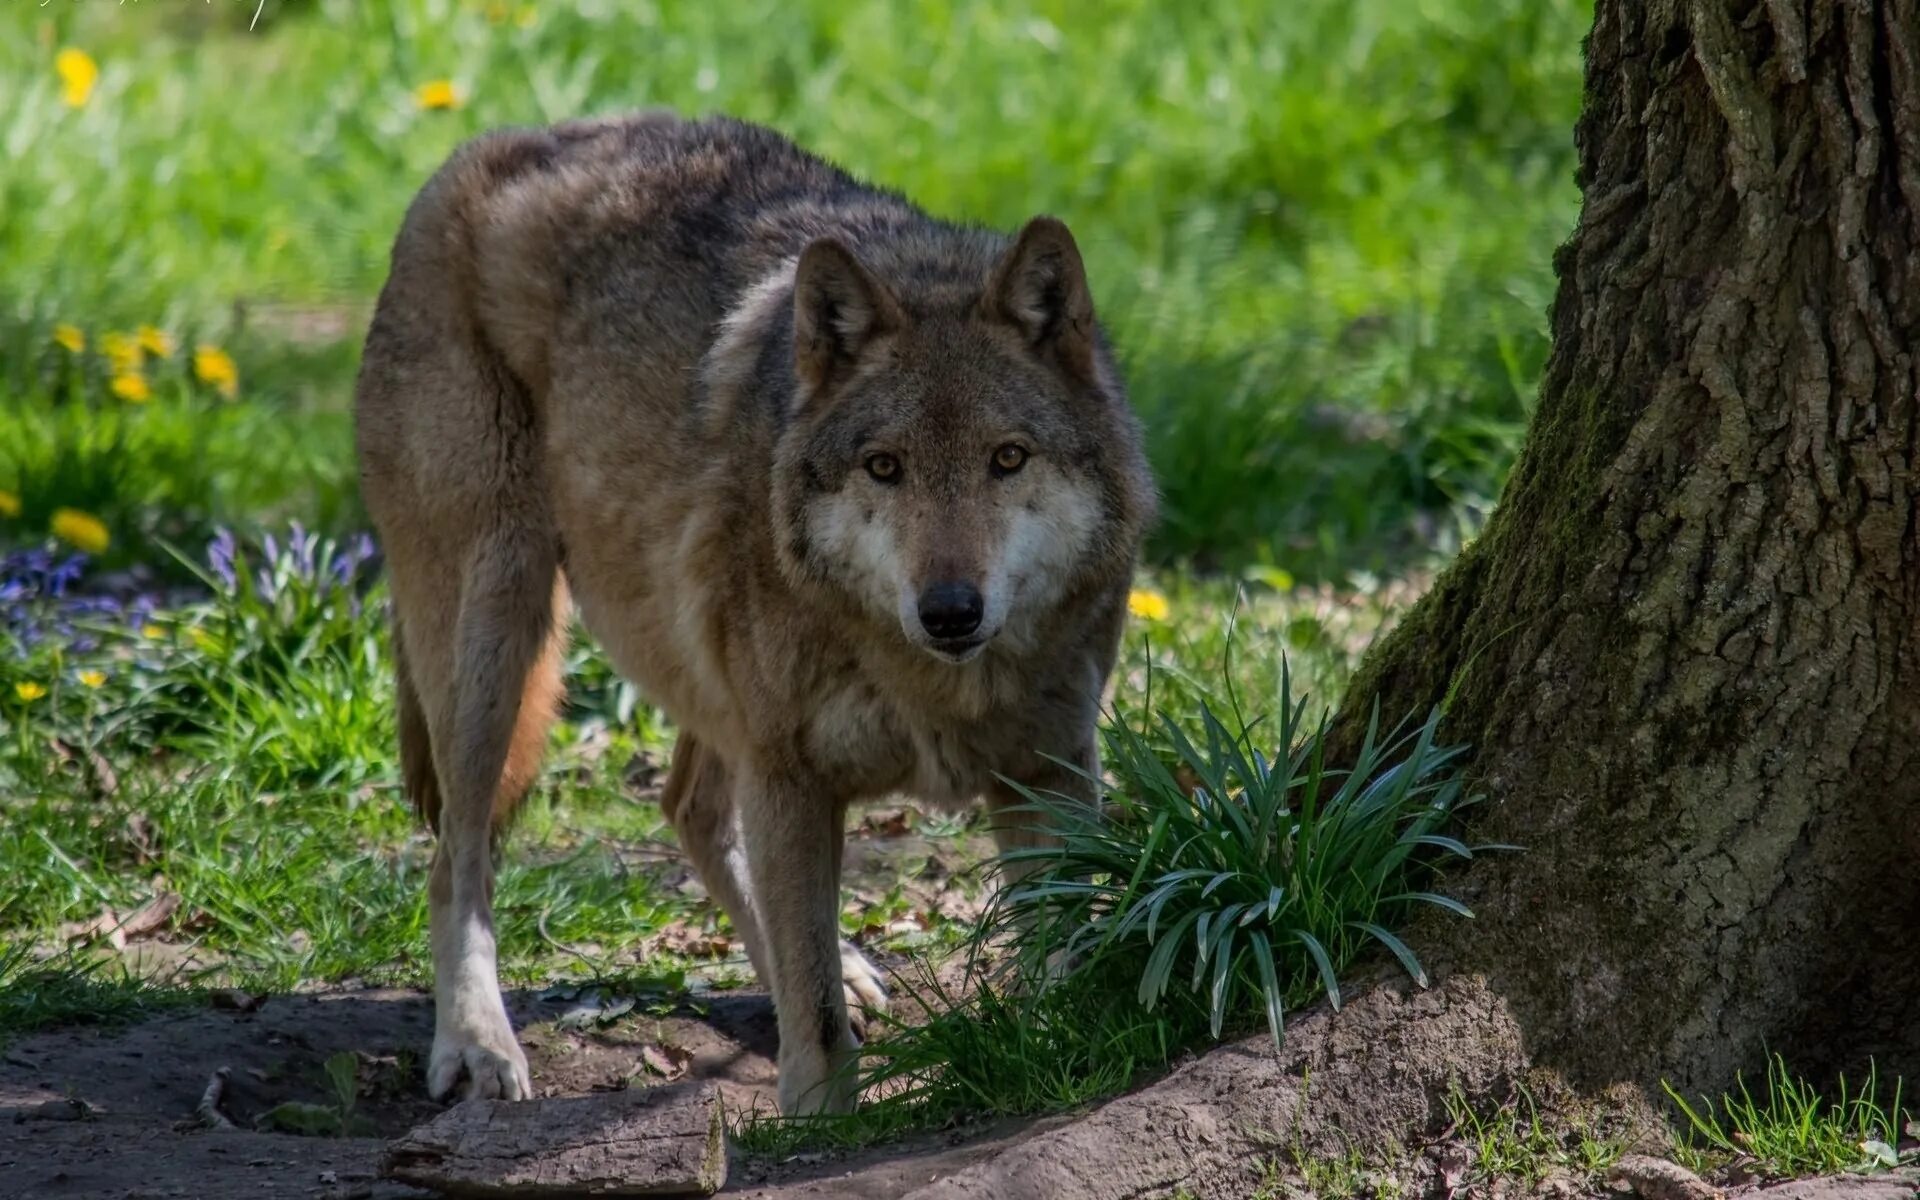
(488, 1057)
(866, 995)
(813, 1083)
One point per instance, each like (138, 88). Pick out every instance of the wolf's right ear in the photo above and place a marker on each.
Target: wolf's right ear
(839, 308)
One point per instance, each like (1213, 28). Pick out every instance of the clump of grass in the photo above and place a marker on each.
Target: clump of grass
(1253, 878)
(69, 989)
(1791, 1129)
(1514, 1142)
(1223, 886)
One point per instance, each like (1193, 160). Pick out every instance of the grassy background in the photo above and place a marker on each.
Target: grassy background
(1321, 235)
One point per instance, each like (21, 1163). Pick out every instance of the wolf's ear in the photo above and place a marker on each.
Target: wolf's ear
(1040, 287)
(839, 307)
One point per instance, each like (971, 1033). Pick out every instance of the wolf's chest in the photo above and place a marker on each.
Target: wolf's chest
(868, 746)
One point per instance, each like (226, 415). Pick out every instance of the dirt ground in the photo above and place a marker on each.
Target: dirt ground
(138, 1139)
(133, 1131)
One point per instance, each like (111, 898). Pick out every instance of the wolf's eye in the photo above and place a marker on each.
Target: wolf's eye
(1008, 459)
(883, 467)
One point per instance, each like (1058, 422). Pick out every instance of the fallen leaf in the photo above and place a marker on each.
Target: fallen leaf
(667, 1065)
(150, 916)
(236, 999)
(106, 925)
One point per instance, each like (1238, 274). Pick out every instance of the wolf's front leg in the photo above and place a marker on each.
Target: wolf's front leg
(790, 830)
(472, 1037)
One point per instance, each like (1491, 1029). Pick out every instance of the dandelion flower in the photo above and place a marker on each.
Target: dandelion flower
(83, 531)
(152, 633)
(92, 679)
(131, 388)
(213, 365)
(29, 691)
(155, 341)
(9, 504)
(1148, 604)
(71, 337)
(123, 352)
(437, 93)
(78, 73)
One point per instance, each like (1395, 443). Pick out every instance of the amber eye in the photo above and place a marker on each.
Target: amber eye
(1008, 459)
(883, 467)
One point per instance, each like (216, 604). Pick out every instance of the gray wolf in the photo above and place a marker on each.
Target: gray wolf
(854, 494)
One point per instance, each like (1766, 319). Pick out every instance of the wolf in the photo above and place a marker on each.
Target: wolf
(854, 494)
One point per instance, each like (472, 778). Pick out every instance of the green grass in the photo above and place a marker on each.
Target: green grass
(1320, 236)
(1514, 1142)
(69, 989)
(1794, 1129)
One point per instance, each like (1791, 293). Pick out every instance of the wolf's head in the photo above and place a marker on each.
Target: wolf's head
(961, 457)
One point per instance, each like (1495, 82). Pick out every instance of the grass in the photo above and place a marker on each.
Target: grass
(72, 990)
(1321, 240)
(1515, 1142)
(1793, 1129)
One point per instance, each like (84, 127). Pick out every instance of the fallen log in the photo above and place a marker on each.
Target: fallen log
(663, 1141)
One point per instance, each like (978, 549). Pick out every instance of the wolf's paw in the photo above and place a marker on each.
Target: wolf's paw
(866, 995)
(488, 1058)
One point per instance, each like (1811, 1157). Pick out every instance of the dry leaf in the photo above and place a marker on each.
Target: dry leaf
(668, 1064)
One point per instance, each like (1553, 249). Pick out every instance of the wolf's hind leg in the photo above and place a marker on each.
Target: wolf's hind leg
(504, 688)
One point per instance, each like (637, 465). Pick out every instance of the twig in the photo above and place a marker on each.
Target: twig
(208, 1110)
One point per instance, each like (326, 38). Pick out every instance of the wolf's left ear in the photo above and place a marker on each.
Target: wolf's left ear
(1040, 287)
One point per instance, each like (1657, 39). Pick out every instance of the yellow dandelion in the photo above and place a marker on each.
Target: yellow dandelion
(9, 504)
(92, 679)
(123, 352)
(83, 531)
(437, 93)
(213, 365)
(152, 633)
(526, 16)
(155, 341)
(131, 388)
(78, 73)
(1148, 604)
(71, 337)
(29, 691)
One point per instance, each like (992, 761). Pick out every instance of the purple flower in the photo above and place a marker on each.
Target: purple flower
(220, 553)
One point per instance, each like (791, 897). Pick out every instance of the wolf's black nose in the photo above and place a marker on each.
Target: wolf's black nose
(951, 610)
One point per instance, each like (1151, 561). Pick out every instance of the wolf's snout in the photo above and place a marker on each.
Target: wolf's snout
(951, 610)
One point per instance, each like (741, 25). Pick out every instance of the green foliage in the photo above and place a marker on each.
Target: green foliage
(1515, 1143)
(71, 989)
(1794, 1130)
(1321, 237)
(1248, 887)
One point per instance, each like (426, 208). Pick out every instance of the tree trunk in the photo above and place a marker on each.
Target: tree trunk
(1686, 648)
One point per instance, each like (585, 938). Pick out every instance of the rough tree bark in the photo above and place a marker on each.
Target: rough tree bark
(1686, 648)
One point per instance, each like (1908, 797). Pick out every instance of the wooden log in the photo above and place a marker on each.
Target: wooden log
(663, 1141)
